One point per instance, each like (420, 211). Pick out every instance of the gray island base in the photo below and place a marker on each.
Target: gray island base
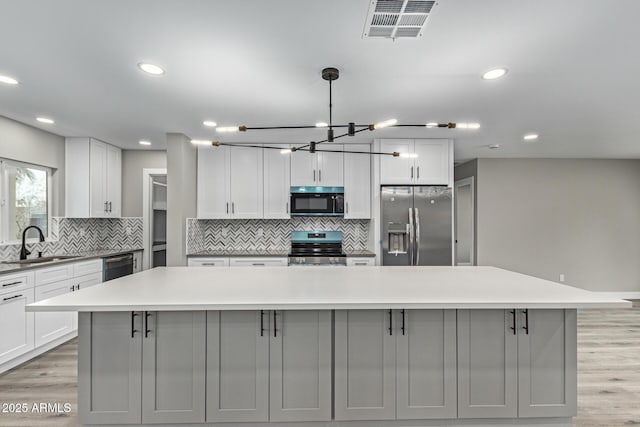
(511, 361)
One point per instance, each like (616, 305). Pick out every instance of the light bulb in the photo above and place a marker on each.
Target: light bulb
(8, 80)
(431, 125)
(200, 142)
(285, 151)
(231, 129)
(321, 125)
(467, 125)
(409, 155)
(385, 124)
(209, 123)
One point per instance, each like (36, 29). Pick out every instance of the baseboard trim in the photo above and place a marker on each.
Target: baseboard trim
(622, 295)
(23, 358)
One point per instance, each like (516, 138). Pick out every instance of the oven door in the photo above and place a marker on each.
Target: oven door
(315, 204)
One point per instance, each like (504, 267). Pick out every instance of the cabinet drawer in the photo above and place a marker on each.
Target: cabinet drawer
(54, 274)
(361, 262)
(88, 280)
(208, 262)
(258, 262)
(87, 267)
(16, 282)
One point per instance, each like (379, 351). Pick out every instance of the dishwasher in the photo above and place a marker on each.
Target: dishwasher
(117, 266)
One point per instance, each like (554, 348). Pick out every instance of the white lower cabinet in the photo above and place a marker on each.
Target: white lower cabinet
(16, 330)
(395, 364)
(361, 262)
(259, 262)
(268, 366)
(516, 363)
(208, 262)
(144, 367)
(52, 325)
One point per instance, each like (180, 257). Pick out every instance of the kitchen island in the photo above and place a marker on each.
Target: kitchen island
(374, 346)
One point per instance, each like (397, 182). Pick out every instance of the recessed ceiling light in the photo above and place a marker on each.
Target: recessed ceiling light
(210, 123)
(144, 142)
(531, 137)
(494, 74)
(494, 146)
(321, 125)
(151, 68)
(8, 80)
(45, 120)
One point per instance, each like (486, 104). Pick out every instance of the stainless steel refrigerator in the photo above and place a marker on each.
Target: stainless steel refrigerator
(416, 225)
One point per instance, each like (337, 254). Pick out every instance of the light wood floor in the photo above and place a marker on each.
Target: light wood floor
(608, 375)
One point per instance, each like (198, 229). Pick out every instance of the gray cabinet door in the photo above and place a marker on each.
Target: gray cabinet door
(173, 360)
(426, 364)
(365, 365)
(109, 368)
(547, 363)
(300, 366)
(487, 364)
(237, 366)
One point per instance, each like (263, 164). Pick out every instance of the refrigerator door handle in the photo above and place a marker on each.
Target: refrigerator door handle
(411, 240)
(417, 237)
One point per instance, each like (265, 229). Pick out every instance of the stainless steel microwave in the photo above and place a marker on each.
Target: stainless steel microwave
(317, 201)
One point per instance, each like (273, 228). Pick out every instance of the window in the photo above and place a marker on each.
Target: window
(24, 199)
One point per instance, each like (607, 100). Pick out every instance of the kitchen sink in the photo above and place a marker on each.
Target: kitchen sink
(41, 259)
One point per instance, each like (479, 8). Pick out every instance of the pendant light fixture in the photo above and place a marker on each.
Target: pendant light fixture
(329, 74)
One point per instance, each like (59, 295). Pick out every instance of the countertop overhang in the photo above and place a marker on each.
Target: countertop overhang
(306, 288)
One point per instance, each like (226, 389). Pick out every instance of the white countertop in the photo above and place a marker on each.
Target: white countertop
(300, 288)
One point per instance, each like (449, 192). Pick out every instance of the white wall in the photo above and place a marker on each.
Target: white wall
(133, 162)
(19, 141)
(547, 217)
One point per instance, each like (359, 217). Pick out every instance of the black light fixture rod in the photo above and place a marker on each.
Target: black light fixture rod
(330, 108)
(335, 137)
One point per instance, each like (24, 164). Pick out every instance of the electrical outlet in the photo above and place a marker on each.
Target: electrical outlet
(562, 277)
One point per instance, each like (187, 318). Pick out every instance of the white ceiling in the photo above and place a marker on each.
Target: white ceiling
(574, 71)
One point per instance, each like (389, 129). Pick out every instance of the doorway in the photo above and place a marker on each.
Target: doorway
(464, 222)
(154, 212)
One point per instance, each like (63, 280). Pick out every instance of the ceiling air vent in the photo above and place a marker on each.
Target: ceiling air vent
(397, 18)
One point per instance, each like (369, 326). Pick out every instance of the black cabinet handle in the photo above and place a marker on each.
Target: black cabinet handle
(146, 324)
(72, 288)
(13, 297)
(4, 285)
(526, 320)
(275, 324)
(261, 323)
(390, 322)
(133, 329)
(513, 328)
(403, 322)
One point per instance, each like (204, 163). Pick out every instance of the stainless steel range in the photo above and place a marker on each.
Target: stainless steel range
(317, 248)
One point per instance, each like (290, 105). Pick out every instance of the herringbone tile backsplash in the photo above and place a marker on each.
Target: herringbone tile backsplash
(268, 234)
(77, 235)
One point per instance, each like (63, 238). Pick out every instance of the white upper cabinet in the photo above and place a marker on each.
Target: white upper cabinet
(357, 182)
(230, 182)
(432, 164)
(246, 182)
(429, 162)
(93, 185)
(318, 169)
(277, 184)
(213, 190)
